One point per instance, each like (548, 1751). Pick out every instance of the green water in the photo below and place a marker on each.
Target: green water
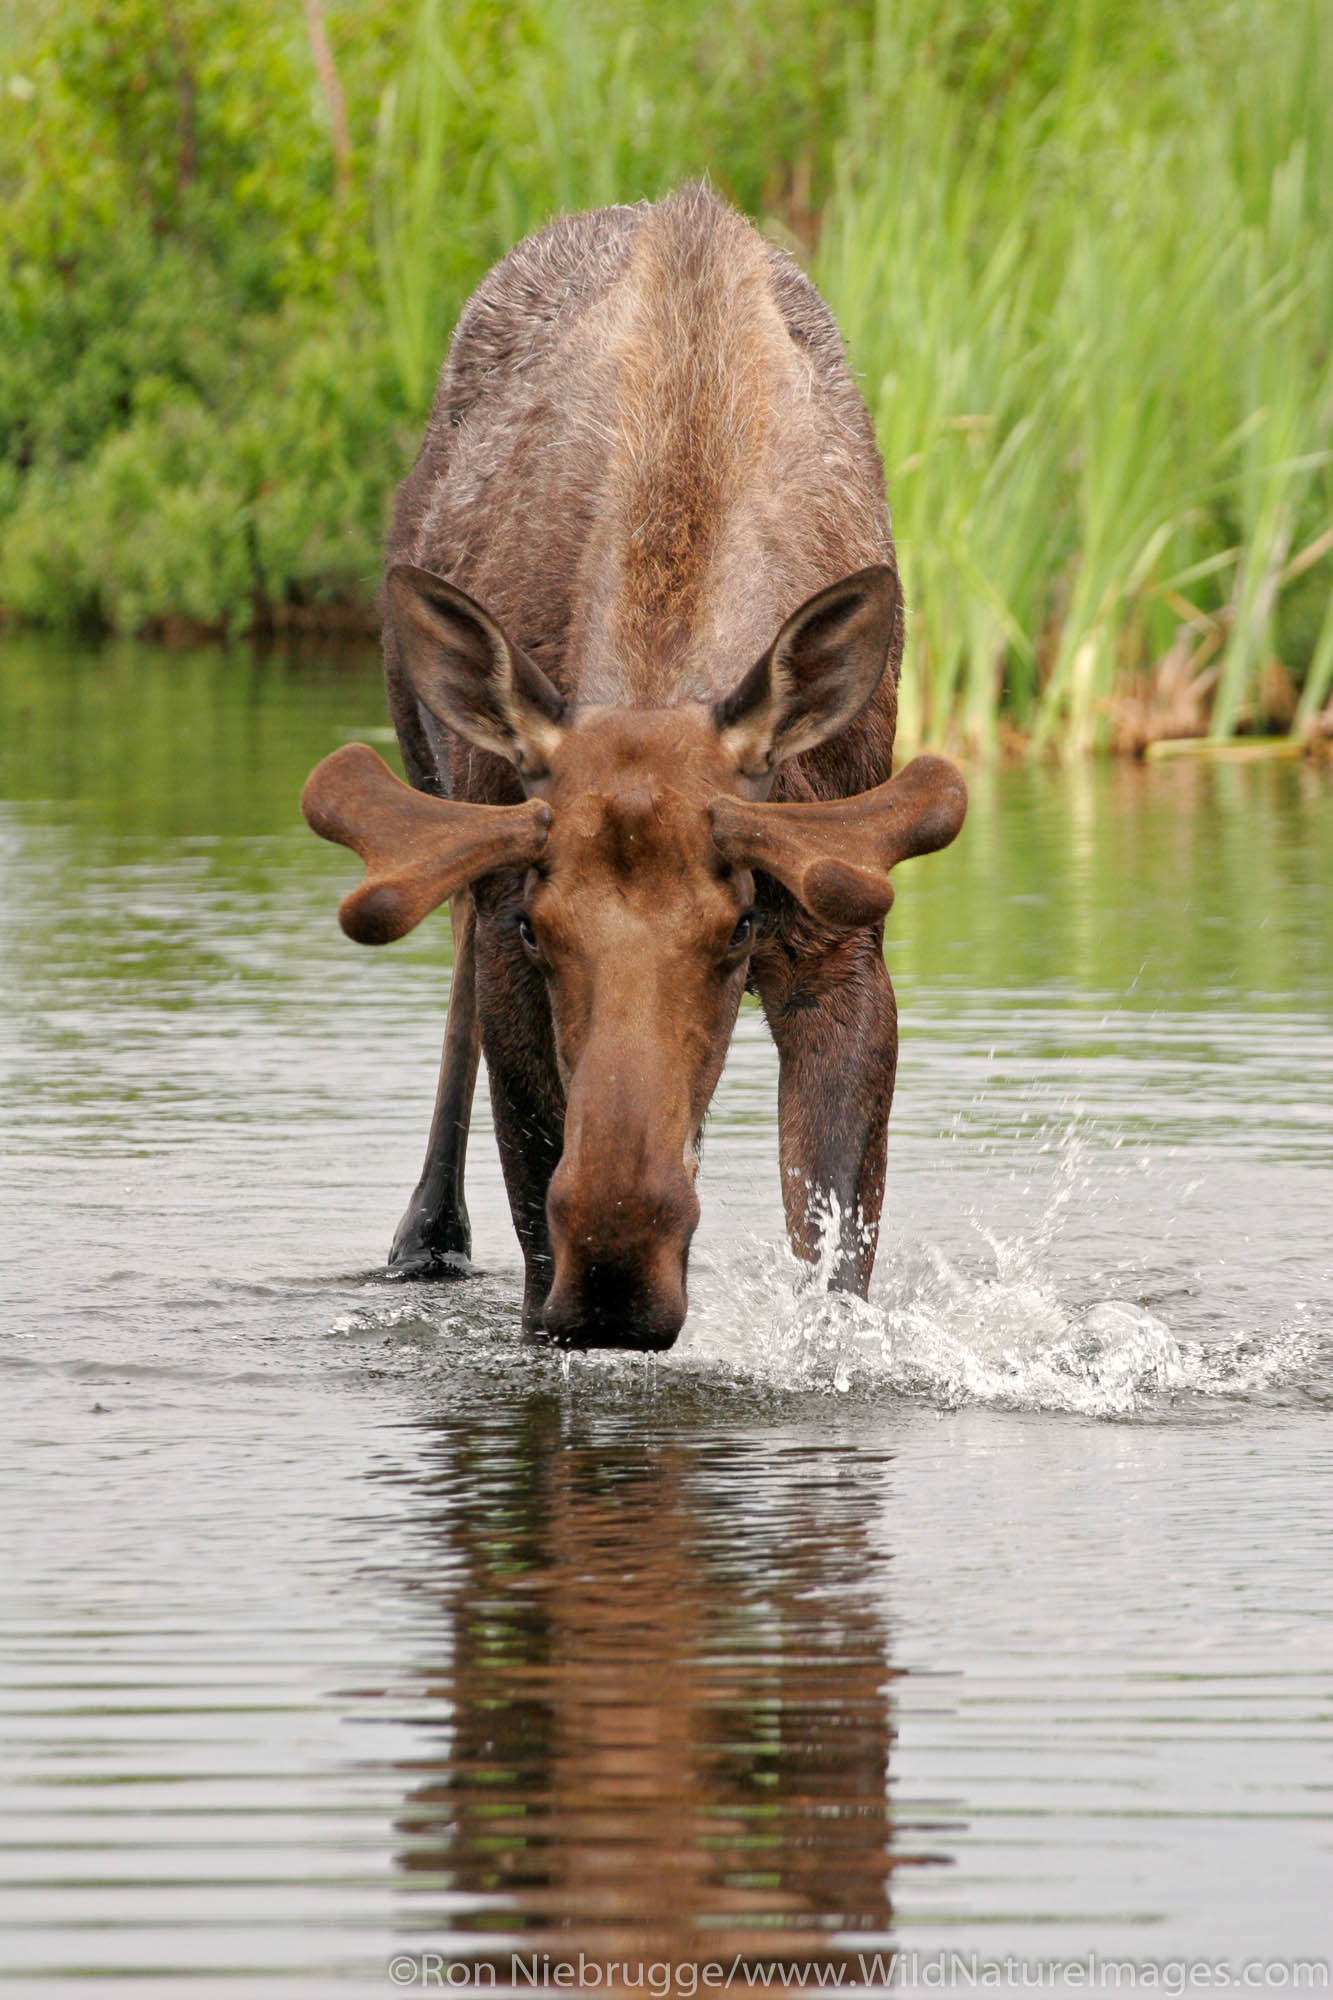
(993, 1615)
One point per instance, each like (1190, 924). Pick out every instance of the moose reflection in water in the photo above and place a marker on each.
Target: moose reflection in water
(671, 1711)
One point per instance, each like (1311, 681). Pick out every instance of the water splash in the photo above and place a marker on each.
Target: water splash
(994, 1324)
(1004, 1337)
(1000, 1329)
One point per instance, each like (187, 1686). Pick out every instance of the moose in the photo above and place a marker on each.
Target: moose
(642, 634)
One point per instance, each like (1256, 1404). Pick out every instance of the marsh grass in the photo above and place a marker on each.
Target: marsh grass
(1081, 260)
(1093, 324)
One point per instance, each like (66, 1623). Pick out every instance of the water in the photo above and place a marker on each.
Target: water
(992, 1617)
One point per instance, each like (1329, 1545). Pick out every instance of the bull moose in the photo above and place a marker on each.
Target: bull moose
(642, 635)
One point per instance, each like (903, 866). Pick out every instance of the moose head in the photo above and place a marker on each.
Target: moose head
(639, 840)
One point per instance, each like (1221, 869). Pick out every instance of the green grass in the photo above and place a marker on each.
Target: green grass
(1081, 256)
(1094, 324)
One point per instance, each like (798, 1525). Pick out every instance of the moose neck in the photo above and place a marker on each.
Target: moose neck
(646, 452)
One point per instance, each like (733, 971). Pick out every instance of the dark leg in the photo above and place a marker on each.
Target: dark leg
(434, 1238)
(832, 1014)
(527, 1102)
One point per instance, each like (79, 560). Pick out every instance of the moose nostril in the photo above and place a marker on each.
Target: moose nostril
(612, 1308)
(621, 1249)
(643, 1329)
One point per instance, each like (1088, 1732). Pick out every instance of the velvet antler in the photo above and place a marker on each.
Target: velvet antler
(418, 850)
(834, 855)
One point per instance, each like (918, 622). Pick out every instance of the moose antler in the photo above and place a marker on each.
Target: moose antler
(418, 850)
(834, 855)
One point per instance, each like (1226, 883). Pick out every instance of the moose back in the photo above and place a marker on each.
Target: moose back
(642, 634)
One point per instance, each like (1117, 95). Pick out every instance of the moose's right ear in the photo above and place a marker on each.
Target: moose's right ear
(469, 675)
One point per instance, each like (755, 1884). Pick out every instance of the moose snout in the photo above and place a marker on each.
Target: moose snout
(620, 1261)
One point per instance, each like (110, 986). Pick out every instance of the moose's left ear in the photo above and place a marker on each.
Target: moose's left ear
(818, 674)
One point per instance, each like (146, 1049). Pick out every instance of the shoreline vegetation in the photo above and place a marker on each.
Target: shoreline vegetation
(1082, 258)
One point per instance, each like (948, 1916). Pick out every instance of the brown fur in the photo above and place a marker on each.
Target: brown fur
(646, 452)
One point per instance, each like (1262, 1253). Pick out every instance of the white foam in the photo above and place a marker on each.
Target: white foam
(1002, 1330)
(1004, 1337)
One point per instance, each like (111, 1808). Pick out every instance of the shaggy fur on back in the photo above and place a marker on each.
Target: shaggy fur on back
(645, 452)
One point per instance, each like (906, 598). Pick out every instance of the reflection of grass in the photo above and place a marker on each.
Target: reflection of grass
(1179, 884)
(175, 745)
(150, 801)
(1189, 884)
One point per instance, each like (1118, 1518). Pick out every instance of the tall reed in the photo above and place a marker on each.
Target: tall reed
(1082, 261)
(1093, 316)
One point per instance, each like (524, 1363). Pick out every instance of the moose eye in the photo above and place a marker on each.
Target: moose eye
(742, 934)
(527, 935)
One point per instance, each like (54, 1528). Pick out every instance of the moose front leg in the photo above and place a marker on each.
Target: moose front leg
(527, 1102)
(832, 1015)
(434, 1238)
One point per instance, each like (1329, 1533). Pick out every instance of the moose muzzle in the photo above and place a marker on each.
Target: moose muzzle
(621, 1246)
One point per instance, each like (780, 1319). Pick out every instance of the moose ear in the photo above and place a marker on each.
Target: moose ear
(820, 671)
(469, 675)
